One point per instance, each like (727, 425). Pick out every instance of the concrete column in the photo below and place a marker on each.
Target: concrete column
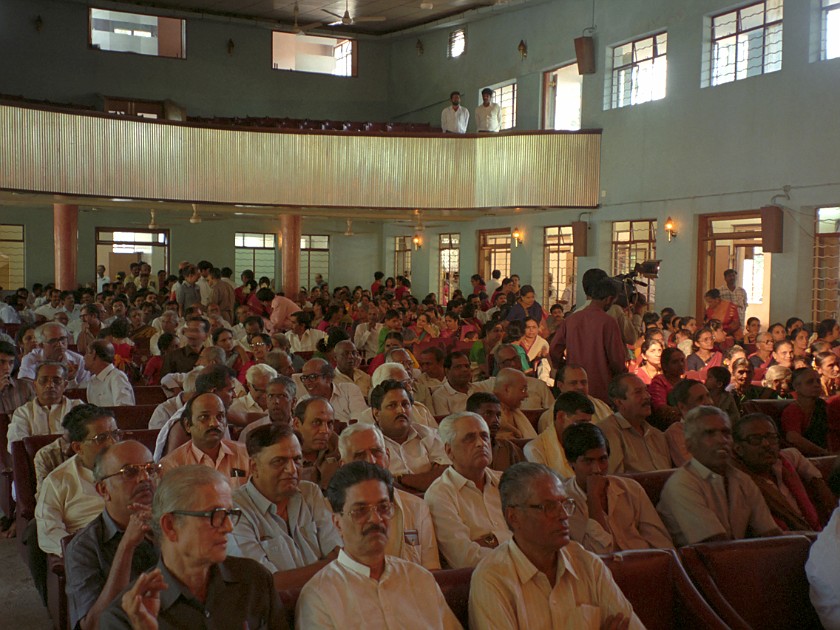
(290, 254)
(66, 235)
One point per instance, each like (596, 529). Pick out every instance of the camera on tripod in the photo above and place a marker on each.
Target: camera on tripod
(626, 283)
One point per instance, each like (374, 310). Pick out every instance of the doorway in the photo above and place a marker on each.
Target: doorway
(494, 252)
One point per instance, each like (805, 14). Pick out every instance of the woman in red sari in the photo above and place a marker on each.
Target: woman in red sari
(651, 360)
(725, 311)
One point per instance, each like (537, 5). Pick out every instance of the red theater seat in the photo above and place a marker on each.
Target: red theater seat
(652, 482)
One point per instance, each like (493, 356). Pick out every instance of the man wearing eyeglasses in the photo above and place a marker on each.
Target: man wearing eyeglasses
(196, 584)
(116, 546)
(793, 488)
(287, 526)
(43, 414)
(539, 578)
(254, 405)
(364, 582)
(346, 398)
(708, 499)
(52, 346)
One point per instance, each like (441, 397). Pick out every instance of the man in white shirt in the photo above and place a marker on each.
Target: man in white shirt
(420, 414)
(203, 282)
(347, 361)
(346, 398)
(108, 386)
(287, 525)
(539, 578)
(451, 396)
(737, 295)
(454, 119)
(52, 346)
(48, 310)
(365, 582)
(488, 116)
(464, 501)
(101, 278)
(254, 405)
(416, 452)
(547, 447)
(412, 534)
(43, 414)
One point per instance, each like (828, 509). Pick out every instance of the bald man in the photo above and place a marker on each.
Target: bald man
(511, 388)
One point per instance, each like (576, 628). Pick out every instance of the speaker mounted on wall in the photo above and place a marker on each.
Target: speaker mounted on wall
(772, 229)
(585, 54)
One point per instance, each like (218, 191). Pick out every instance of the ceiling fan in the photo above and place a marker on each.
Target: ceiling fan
(300, 30)
(346, 20)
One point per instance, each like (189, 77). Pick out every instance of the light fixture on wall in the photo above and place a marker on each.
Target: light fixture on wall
(39, 23)
(522, 48)
(670, 228)
(419, 47)
(516, 235)
(418, 241)
(230, 46)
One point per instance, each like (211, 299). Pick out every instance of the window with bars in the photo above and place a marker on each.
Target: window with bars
(12, 257)
(314, 258)
(449, 246)
(639, 71)
(343, 53)
(560, 267)
(825, 294)
(256, 252)
(505, 95)
(634, 242)
(457, 43)
(746, 42)
(830, 29)
(494, 252)
(402, 256)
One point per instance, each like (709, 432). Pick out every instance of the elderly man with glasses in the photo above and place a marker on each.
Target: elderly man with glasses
(346, 399)
(116, 547)
(196, 584)
(539, 578)
(364, 582)
(52, 340)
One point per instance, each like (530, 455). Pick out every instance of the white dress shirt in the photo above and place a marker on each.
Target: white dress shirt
(366, 339)
(421, 449)
(419, 415)
(346, 400)
(406, 597)
(822, 569)
(462, 514)
(454, 121)
(33, 418)
(411, 535)
(110, 388)
(165, 410)
(29, 364)
(307, 342)
(246, 404)
(446, 399)
(488, 118)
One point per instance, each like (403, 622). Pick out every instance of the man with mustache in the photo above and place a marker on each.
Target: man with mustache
(286, 524)
(313, 421)
(708, 499)
(346, 398)
(205, 422)
(539, 578)
(52, 346)
(116, 546)
(364, 582)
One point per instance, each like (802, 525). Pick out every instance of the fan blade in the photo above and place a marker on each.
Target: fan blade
(331, 13)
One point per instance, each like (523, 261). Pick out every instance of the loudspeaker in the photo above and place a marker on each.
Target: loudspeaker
(585, 53)
(580, 238)
(772, 229)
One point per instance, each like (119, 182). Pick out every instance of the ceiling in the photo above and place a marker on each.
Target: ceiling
(399, 14)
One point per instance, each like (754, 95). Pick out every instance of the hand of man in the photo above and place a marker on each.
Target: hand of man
(138, 524)
(616, 622)
(142, 601)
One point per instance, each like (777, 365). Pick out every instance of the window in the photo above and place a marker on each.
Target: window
(255, 252)
(746, 42)
(313, 53)
(826, 288)
(634, 242)
(562, 90)
(314, 259)
(639, 71)
(457, 43)
(504, 94)
(402, 256)
(450, 260)
(141, 34)
(117, 248)
(560, 266)
(12, 257)
(830, 29)
(494, 252)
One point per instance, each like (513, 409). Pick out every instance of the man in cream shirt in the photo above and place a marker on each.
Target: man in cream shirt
(511, 388)
(108, 385)
(547, 448)
(420, 414)
(488, 116)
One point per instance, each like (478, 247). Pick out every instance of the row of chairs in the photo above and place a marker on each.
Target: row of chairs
(267, 122)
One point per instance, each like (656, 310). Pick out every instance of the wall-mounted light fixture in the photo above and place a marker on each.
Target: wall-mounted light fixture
(670, 228)
(230, 46)
(39, 23)
(419, 47)
(516, 235)
(418, 241)
(522, 48)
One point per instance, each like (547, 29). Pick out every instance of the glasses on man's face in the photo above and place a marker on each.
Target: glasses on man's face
(56, 340)
(362, 513)
(756, 440)
(130, 472)
(217, 516)
(553, 509)
(310, 378)
(101, 438)
(50, 380)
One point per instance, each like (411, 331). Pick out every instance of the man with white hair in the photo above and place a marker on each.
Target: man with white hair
(511, 388)
(254, 405)
(420, 414)
(464, 501)
(168, 323)
(412, 534)
(318, 379)
(52, 340)
(109, 385)
(708, 499)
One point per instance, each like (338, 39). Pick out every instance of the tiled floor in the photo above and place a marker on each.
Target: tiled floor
(20, 604)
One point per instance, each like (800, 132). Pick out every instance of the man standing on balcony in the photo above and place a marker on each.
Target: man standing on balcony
(454, 119)
(488, 116)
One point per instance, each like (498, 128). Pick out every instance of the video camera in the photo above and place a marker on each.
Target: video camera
(626, 283)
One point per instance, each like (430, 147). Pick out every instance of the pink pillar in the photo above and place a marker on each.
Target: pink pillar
(66, 235)
(290, 254)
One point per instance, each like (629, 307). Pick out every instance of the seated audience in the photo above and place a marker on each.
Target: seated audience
(547, 448)
(809, 423)
(117, 546)
(539, 578)
(395, 371)
(302, 337)
(763, 354)
(347, 361)
(346, 398)
(281, 397)
(611, 513)
(464, 500)
(412, 534)
(827, 365)
(108, 386)
(365, 583)
(452, 394)
(539, 395)
(14, 392)
(183, 359)
(717, 380)
(253, 405)
(195, 579)
(708, 499)
(651, 360)
(673, 371)
(704, 355)
(420, 413)
(506, 453)
(635, 446)
(52, 340)
(687, 394)
(573, 378)
(777, 380)
(287, 525)
(313, 422)
(823, 562)
(511, 388)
